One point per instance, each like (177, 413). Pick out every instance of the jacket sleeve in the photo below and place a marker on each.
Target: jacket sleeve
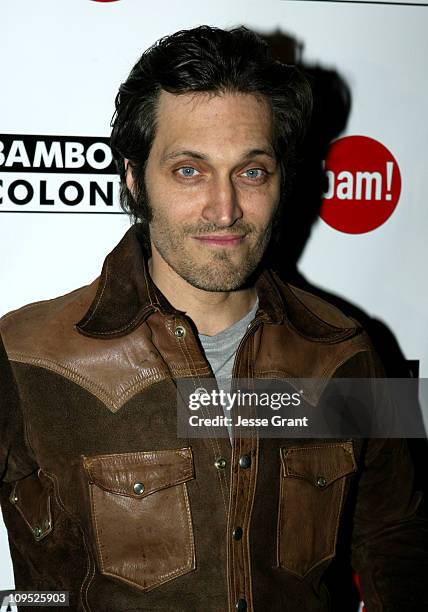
(16, 457)
(390, 523)
(390, 534)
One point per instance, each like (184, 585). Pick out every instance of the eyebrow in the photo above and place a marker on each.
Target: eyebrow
(196, 154)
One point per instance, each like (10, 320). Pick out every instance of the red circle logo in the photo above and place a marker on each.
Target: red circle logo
(364, 185)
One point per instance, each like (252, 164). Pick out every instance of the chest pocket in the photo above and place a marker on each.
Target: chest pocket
(32, 498)
(310, 502)
(141, 515)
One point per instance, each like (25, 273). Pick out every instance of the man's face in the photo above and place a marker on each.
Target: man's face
(213, 186)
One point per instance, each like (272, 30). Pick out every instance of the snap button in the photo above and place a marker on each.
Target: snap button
(138, 488)
(244, 461)
(220, 463)
(37, 532)
(321, 481)
(13, 498)
(241, 605)
(180, 331)
(237, 533)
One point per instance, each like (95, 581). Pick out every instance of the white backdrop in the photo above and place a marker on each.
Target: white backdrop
(61, 64)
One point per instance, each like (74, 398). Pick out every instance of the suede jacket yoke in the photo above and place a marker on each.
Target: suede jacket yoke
(102, 499)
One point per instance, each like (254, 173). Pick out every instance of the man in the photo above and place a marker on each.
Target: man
(99, 495)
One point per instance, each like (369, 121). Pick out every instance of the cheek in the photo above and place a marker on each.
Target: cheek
(260, 207)
(169, 199)
(169, 210)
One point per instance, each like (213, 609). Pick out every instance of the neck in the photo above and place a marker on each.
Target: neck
(210, 311)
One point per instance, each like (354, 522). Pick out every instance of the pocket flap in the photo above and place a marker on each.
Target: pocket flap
(141, 473)
(321, 464)
(31, 496)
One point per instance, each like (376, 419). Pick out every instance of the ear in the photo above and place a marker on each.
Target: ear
(128, 175)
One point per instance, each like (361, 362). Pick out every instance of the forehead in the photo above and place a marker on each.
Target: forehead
(210, 122)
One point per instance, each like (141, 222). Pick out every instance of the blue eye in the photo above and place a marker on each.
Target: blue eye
(188, 171)
(254, 173)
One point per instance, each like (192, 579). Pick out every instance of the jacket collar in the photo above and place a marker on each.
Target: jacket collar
(126, 294)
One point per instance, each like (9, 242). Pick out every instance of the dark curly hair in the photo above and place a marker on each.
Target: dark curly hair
(204, 59)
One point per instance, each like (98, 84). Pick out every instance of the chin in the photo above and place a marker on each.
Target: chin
(215, 286)
(220, 272)
(210, 279)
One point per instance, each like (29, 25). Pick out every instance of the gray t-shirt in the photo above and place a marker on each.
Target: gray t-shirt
(220, 350)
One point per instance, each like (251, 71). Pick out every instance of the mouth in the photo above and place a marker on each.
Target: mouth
(228, 240)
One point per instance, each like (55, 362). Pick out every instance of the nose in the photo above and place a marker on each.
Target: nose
(222, 207)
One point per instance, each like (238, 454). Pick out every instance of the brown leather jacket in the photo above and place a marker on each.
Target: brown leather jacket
(102, 499)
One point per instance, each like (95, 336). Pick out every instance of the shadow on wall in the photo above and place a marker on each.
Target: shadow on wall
(332, 105)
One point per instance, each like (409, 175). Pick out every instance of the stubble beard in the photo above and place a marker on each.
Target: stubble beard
(219, 271)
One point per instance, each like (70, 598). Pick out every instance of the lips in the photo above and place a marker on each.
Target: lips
(218, 240)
